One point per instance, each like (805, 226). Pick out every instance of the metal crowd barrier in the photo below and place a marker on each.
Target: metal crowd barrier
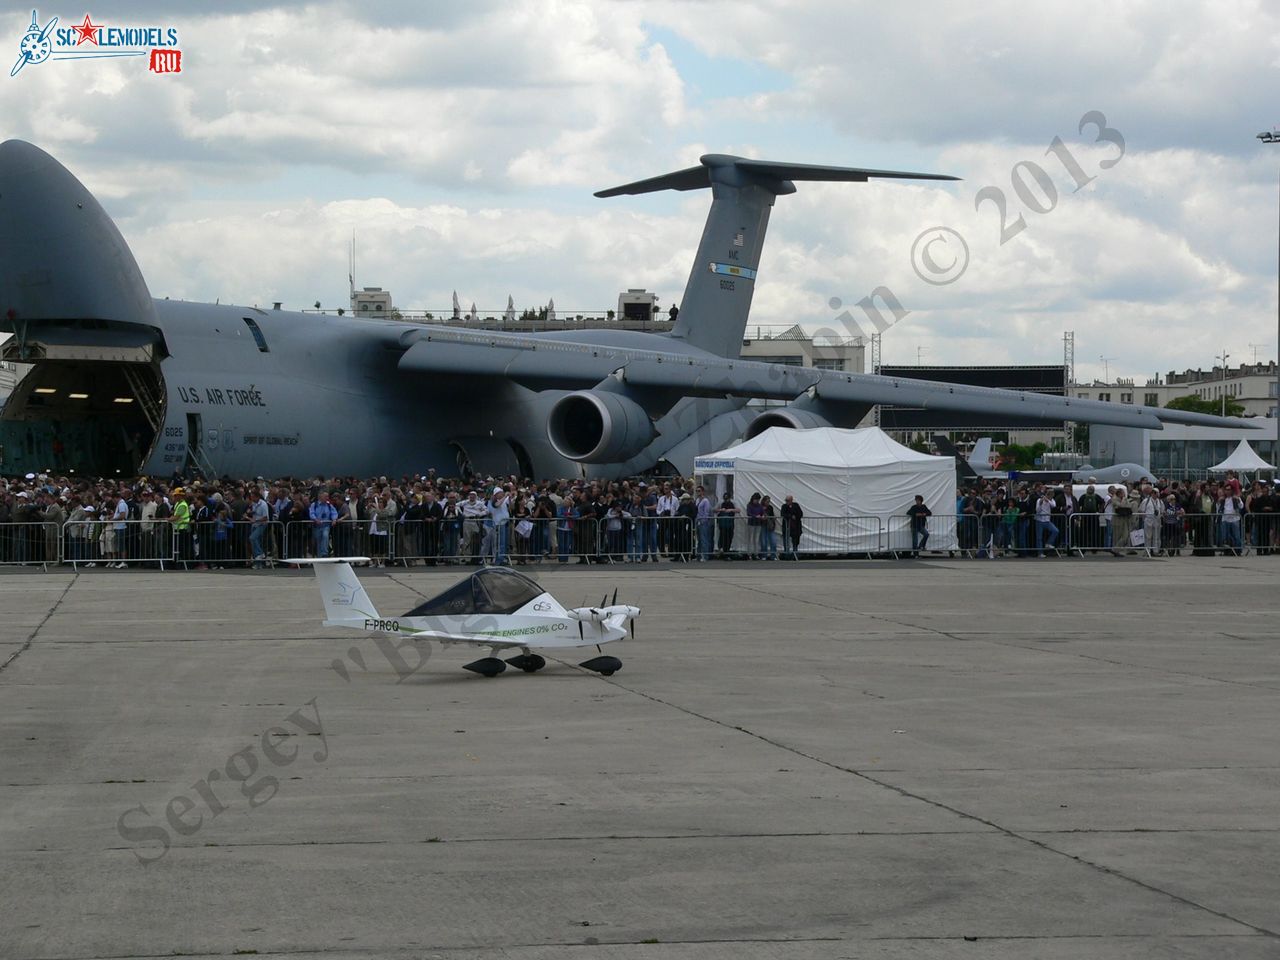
(107, 542)
(903, 534)
(29, 543)
(640, 539)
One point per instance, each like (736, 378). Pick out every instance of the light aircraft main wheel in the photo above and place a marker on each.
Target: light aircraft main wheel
(486, 667)
(603, 665)
(528, 662)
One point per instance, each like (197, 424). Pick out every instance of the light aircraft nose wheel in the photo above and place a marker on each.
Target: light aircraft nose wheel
(528, 662)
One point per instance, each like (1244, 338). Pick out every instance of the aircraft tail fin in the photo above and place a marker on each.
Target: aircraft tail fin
(980, 457)
(717, 298)
(345, 601)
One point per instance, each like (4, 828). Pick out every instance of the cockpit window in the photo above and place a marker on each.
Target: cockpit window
(258, 338)
(491, 590)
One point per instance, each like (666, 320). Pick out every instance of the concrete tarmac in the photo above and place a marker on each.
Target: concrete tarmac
(1009, 759)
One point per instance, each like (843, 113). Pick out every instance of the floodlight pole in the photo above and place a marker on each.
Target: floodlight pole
(1224, 356)
(1273, 136)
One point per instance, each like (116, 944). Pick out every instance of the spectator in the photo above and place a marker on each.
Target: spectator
(566, 517)
(500, 518)
(1046, 529)
(1121, 520)
(474, 512)
(79, 527)
(1088, 526)
(451, 521)
(726, 515)
(754, 512)
(120, 524)
(768, 529)
(792, 528)
(432, 514)
(649, 520)
(1171, 536)
(258, 516)
(919, 514)
(54, 517)
(704, 511)
(322, 515)
(668, 506)
(1230, 509)
(383, 517)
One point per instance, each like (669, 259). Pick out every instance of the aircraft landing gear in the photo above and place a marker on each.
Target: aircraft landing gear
(528, 662)
(486, 666)
(603, 665)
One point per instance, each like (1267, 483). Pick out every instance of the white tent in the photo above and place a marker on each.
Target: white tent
(854, 486)
(1242, 460)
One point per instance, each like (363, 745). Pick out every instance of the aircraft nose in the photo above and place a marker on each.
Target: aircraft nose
(61, 256)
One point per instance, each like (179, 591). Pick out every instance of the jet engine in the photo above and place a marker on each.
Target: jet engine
(593, 426)
(792, 417)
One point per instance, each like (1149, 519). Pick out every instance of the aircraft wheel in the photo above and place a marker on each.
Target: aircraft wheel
(486, 667)
(528, 662)
(603, 665)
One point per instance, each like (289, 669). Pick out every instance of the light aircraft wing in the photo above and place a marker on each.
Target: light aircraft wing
(478, 640)
(540, 363)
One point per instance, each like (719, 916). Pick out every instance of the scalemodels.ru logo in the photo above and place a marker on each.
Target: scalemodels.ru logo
(89, 40)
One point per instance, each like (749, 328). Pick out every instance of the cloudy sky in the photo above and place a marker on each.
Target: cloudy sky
(462, 143)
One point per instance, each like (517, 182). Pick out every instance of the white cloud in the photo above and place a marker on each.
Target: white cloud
(461, 144)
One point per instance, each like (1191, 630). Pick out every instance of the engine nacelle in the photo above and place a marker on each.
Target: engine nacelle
(792, 417)
(599, 427)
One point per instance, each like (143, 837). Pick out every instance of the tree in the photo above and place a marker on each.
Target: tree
(1200, 405)
(1017, 457)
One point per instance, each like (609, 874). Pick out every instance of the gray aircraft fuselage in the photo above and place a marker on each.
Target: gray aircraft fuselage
(125, 383)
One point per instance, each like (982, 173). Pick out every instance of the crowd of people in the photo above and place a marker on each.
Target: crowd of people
(201, 524)
(421, 519)
(1159, 518)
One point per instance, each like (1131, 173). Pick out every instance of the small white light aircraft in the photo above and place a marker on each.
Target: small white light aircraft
(494, 607)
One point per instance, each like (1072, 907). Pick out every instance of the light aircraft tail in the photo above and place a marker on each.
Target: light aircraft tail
(345, 602)
(717, 298)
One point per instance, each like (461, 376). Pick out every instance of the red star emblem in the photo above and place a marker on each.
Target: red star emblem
(88, 31)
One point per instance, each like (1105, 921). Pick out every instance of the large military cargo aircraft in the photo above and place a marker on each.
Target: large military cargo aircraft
(123, 382)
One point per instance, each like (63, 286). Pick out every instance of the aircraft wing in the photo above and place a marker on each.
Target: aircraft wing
(475, 639)
(543, 363)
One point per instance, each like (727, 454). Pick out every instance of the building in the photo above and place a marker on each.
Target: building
(1252, 385)
(793, 347)
(1178, 452)
(371, 302)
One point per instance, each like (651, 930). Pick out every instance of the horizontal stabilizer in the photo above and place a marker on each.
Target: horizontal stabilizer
(691, 178)
(816, 171)
(740, 171)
